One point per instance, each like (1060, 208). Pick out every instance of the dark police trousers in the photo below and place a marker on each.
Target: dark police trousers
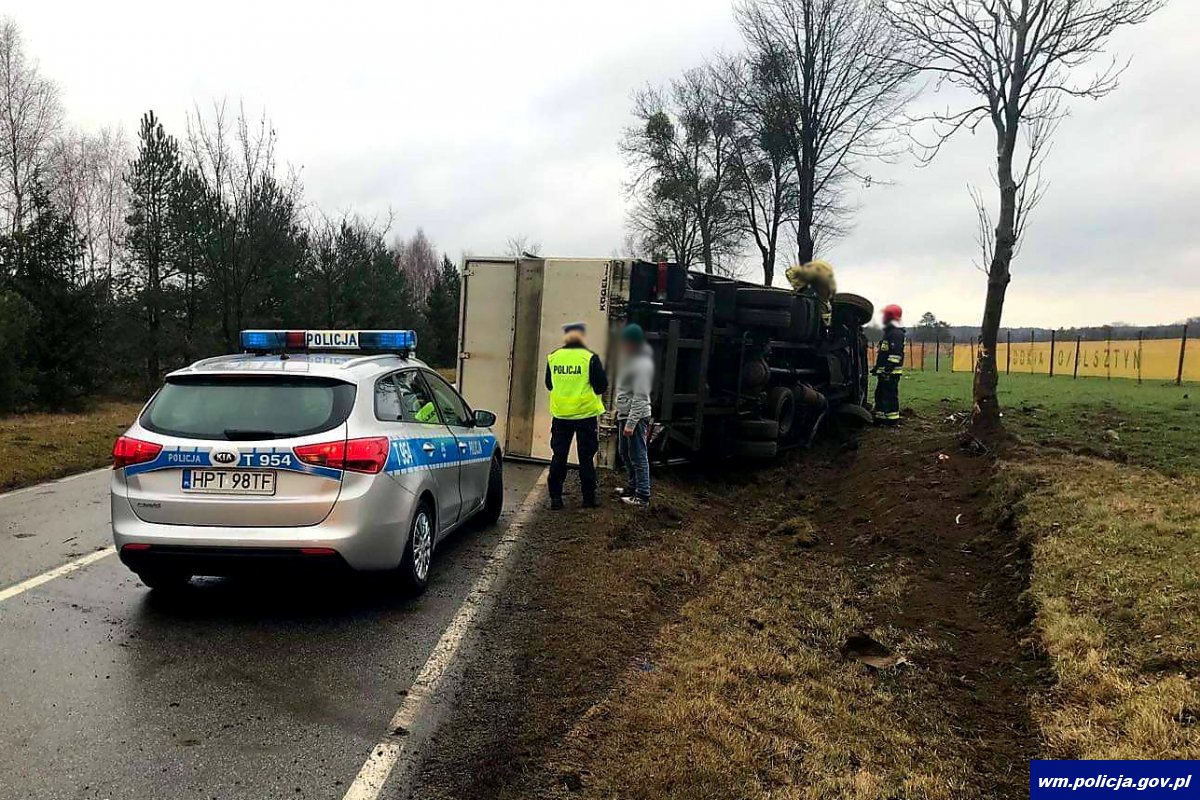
(887, 399)
(586, 433)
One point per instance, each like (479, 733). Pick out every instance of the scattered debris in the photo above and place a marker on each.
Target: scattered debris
(801, 529)
(862, 648)
(958, 519)
(943, 457)
(973, 444)
(1112, 435)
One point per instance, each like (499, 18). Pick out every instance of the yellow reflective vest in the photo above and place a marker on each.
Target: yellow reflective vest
(571, 394)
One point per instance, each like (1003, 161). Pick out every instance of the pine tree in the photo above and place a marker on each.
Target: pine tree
(61, 344)
(154, 181)
(441, 316)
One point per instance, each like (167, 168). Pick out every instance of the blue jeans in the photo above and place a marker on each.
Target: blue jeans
(635, 454)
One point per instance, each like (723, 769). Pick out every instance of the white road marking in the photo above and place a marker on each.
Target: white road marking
(384, 756)
(57, 572)
(55, 482)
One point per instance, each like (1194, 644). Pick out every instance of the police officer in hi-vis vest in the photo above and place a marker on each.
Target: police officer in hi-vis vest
(576, 379)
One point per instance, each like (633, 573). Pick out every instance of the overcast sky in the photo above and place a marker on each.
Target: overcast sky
(478, 121)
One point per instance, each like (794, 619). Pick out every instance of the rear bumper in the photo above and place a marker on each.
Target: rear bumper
(367, 531)
(225, 561)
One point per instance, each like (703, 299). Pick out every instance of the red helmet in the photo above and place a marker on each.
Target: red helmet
(892, 312)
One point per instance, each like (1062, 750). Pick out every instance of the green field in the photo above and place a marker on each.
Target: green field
(1153, 424)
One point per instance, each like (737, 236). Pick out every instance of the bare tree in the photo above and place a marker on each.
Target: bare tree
(664, 229)
(1018, 60)
(85, 176)
(30, 116)
(521, 245)
(834, 76)
(249, 211)
(681, 147)
(418, 258)
(766, 195)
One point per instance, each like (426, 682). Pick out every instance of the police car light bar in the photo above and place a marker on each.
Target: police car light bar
(279, 341)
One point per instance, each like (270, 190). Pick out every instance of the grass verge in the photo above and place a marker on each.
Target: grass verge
(41, 446)
(1117, 592)
(747, 693)
(1112, 516)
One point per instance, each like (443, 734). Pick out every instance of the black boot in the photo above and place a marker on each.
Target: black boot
(556, 504)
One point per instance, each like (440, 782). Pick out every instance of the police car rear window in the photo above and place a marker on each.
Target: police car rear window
(247, 408)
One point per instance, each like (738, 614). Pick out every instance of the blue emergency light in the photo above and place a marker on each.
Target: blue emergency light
(375, 341)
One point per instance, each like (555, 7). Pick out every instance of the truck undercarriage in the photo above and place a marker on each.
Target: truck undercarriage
(746, 370)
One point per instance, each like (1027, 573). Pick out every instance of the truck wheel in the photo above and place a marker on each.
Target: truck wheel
(746, 449)
(494, 503)
(764, 298)
(859, 309)
(853, 414)
(758, 430)
(781, 407)
(764, 318)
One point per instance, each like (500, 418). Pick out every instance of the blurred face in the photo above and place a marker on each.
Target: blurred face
(628, 347)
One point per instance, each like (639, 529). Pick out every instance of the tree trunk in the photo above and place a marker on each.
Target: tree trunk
(706, 252)
(986, 410)
(805, 246)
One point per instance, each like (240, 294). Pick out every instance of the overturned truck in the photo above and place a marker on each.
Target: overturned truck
(742, 369)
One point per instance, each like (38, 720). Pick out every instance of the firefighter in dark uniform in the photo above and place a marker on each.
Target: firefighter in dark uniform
(576, 380)
(889, 366)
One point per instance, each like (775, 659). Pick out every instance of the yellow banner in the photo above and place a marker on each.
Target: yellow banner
(1150, 359)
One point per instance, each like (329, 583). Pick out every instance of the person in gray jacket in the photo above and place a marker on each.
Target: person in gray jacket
(635, 377)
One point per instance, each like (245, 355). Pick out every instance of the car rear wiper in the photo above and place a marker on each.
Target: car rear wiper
(240, 434)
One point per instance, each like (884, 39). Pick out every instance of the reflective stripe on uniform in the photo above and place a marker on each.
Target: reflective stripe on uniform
(572, 396)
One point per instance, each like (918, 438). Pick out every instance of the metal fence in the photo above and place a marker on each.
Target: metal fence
(1139, 359)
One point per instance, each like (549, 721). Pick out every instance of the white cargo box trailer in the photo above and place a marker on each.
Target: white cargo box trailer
(510, 319)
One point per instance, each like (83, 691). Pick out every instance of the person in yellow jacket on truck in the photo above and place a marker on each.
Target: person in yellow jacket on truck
(817, 277)
(576, 380)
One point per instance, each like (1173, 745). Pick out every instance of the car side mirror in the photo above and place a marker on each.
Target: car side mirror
(484, 419)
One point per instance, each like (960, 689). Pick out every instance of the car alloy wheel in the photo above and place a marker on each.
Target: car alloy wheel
(422, 544)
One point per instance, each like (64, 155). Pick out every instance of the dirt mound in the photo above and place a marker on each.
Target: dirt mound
(897, 538)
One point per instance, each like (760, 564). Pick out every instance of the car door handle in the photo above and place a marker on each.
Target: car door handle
(427, 447)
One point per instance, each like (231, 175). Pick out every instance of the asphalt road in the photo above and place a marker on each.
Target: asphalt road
(234, 689)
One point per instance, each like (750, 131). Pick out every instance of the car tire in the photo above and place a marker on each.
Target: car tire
(164, 580)
(764, 318)
(748, 297)
(418, 551)
(748, 449)
(758, 430)
(781, 407)
(494, 503)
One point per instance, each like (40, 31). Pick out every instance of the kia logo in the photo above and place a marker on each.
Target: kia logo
(224, 457)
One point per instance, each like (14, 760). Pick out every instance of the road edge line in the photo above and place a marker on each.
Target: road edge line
(52, 482)
(57, 572)
(384, 756)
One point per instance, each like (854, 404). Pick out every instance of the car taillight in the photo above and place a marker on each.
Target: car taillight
(128, 451)
(356, 455)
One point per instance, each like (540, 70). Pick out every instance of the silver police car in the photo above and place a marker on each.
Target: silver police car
(310, 449)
